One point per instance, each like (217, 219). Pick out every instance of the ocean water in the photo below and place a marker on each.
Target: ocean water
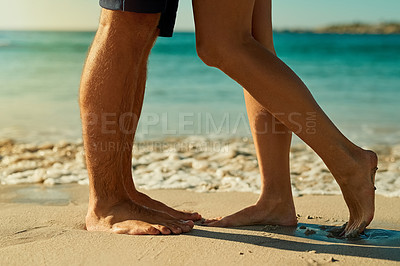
(355, 78)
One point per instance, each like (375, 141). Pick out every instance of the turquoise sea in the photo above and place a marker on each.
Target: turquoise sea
(355, 78)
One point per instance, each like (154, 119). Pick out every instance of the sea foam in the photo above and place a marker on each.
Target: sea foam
(193, 163)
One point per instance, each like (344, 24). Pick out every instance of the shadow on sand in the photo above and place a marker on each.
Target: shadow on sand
(375, 243)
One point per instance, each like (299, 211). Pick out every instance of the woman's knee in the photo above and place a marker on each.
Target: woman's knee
(218, 51)
(266, 42)
(208, 52)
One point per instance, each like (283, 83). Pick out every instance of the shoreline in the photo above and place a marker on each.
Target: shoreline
(194, 163)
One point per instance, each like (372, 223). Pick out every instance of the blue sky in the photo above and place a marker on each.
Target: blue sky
(83, 14)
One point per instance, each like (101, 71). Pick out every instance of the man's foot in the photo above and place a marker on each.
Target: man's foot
(270, 213)
(359, 193)
(143, 199)
(127, 217)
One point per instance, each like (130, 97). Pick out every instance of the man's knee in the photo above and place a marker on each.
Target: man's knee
(129, 24)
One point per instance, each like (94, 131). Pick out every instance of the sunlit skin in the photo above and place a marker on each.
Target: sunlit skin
(236, 37)
(112, 84)
(272, 142)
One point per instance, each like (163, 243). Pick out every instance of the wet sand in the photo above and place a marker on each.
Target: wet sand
(44, 225)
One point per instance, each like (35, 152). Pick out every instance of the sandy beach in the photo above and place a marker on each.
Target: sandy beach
(49, 230)
(44, 192)
(193, 148)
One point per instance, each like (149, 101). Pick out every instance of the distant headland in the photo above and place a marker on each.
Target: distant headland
(353, 28)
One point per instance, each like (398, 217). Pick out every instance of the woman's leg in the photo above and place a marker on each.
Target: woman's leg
(272, 141)
(224, 40)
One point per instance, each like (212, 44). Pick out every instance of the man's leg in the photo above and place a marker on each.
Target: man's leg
(272, 141)
(108, 86)
(225, 40)
(130, 126)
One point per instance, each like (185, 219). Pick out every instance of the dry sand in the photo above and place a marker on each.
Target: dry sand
(44, 226)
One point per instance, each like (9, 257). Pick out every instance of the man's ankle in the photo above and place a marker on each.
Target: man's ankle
(99, 204)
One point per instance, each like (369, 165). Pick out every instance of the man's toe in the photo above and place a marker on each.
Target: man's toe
(163, 229)
(189, 223)
(176, 228)
(195, 216)
(151, 230)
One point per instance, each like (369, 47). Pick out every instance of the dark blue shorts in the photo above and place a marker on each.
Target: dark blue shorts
(167, 8)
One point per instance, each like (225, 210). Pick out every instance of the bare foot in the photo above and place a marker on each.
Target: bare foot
(266, 213)
(127, 217)
(143, 199)
(359, 194)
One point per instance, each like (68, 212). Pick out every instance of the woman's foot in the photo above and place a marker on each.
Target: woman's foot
(263, 213)
(143, 199)
(359, 193)
(127, 217)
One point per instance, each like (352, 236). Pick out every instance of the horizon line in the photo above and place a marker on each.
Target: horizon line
(192, 30)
